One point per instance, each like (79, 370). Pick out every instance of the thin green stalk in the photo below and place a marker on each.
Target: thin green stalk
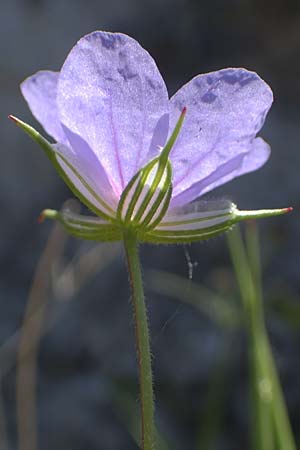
(279, 415)
(261, 434)
(271, 427)
(148, 432)
(262, 382)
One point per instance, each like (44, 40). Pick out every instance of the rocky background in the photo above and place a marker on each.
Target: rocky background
(86, 385)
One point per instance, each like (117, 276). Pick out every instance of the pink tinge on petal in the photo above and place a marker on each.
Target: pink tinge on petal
(225, 110)
(40, 91)
(111, 93)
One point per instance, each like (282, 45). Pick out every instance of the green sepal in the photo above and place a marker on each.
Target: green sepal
(142, 206)
(153, 237)
(171, 141)
(152, 200)
(85, 227)
(164, 166)
(140, 178)
(162, 235)
(50, 152)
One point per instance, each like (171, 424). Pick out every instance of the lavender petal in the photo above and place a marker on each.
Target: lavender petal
(225, 111)
(253, 159)
(39, 91)
(112, 95)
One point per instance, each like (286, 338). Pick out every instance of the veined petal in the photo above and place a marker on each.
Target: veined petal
(202, 220)
(85, 182)
(40, 91)
(225, 111)
(84, 160)
(111, 93)
(84, 227)
(258, 153)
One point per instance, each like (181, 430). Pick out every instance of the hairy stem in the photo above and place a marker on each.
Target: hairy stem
(142, 342)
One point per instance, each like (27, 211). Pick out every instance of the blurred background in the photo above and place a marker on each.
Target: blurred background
(82, 330)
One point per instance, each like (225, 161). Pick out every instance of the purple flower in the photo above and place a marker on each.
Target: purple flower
(109, 112)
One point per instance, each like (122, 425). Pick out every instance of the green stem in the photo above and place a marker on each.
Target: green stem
(271, 421)
(261, 433)
(142, 342)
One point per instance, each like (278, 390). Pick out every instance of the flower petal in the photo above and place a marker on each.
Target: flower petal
(86, 173)
(253, 159)
(111, 93)
(159, 138)
(225, 110)
(39, 91)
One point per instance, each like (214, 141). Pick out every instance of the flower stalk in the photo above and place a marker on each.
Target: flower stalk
(142, 341)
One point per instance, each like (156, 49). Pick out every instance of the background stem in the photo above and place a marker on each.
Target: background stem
(142, 342)
(271, 428)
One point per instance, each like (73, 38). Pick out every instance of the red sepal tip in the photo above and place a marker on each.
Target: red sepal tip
(41, 218)
(183, 112)
(289, 209)
(13, 118)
